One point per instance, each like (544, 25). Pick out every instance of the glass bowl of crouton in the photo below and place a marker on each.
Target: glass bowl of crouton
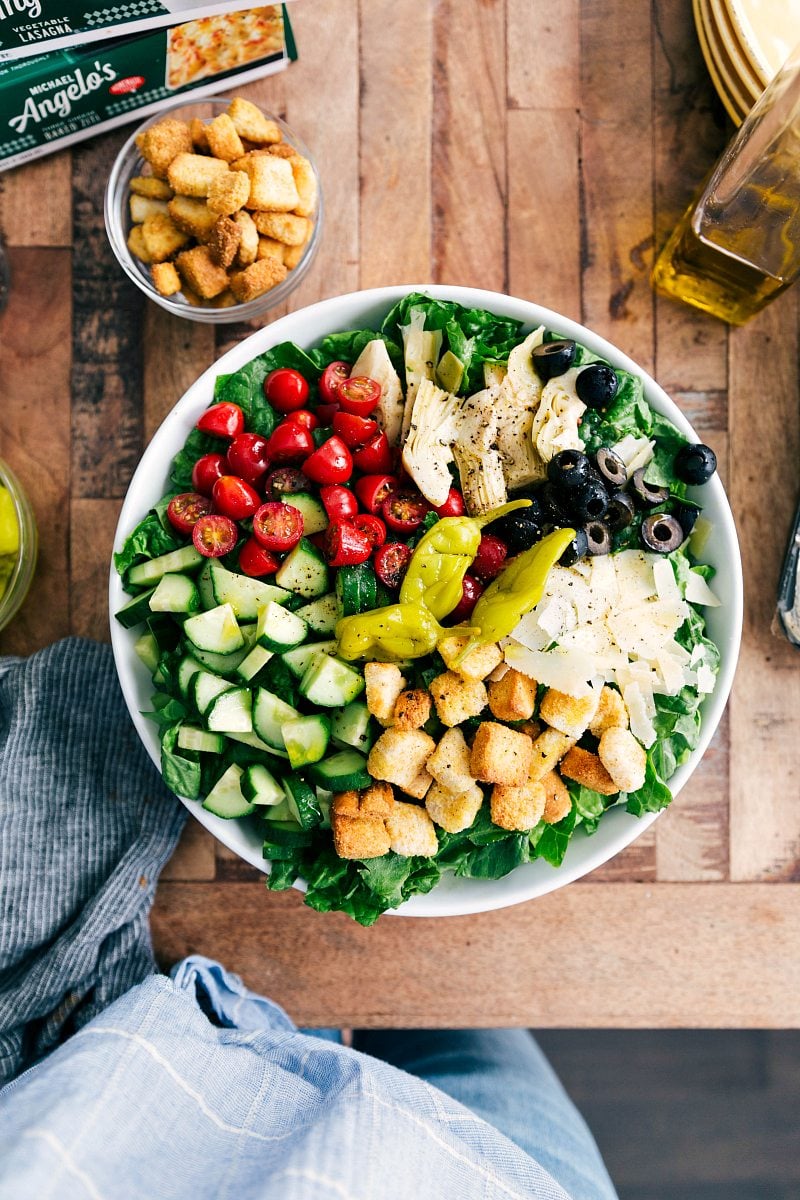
(214, 210)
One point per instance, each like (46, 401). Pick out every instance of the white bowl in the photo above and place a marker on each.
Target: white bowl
(452, 896)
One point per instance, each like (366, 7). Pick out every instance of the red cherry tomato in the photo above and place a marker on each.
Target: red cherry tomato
(254, 560)
(359, 394)
(331, 463)
(222, 420)
(354, 431)
(453, 505)
(372, 490)
(404, 511)
(391, 563)
(214, 535)
(235, 498)
(185, 511)
(286, 389)
(303, 417)
(375, 457)
(207, 470)
(289, 442)
(373, 527)
(340, 503)
(247, 456)
(471, 589)
(283, 480)
(330, 379)
(277, 526)
(326, 412)
(345, 546)
(318, 540)
(491, 557)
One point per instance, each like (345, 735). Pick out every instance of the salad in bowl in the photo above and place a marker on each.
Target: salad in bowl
(424, 601)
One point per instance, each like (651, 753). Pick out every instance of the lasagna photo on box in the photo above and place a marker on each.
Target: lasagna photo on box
(213, 45)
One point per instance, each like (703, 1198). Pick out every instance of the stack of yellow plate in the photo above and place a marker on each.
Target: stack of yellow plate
(745, 43)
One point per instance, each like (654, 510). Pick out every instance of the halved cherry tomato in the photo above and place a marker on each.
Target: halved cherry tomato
(285, 479)
(289, 442)
(359, 394)
(214, 535)
(453, 505)
(372, 490)
(247, 456)
(331, 463)
(471, 589)
(278, 526)
(491, 557)
(185, 511)
(303, 417)
(375, 457)
(391, 563)
(207, 470)
(326, 412)
(235, 498)
(286, 389)
(373, 527)
(354, 431)
(404, 511)
(340, 503)
(330, 379)
(254, 560)
(345, 546)
(222, 420)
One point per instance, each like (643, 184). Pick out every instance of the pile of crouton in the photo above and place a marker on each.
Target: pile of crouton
(226, 210)
(524, 760)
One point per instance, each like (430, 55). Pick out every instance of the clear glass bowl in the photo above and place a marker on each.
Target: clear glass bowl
(129, 163)
(19, 582)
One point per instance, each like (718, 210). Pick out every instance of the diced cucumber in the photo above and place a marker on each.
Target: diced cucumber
(356, 589)
(231, 712)
(269, 715)
(161, 676)
(192, 738)
(259, 786)
(280, 812)
(324, 800)
(215, 630)
(315, 519)
(352, 726)
(164, 629)
(175, 594)
(147, 650)
(278, 629)
(148, 573)
(306, 739)
(255, 743)
(245, 595)
(225, 798)
(286, 834)
(255, 661)
(227, 664)
(341, 772)
(135, 610)
(188, 668)
(204, 689)
(321, 615)
(304, 571)
(298, 660)
(303, 803)
(330, 682)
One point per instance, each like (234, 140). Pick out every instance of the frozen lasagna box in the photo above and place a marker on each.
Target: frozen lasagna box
(64, 96)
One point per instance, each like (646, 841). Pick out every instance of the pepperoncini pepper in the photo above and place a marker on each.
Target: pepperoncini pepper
(390, 634)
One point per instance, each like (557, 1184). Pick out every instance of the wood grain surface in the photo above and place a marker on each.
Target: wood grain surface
(542, 150)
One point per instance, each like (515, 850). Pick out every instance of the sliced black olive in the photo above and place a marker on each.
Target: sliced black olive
(518, 530)
(577, 548)
(647, 495)
(568, 469)
(620, 511)
(611, 467)
(554, 508)
(686, 514)
(535, 509)
(695, 464)
(597, 385)
(598, 537)
(662, 533)
(552, 359)
(589, 502)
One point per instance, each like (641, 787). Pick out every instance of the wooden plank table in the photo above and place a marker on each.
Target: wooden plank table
(539, 150)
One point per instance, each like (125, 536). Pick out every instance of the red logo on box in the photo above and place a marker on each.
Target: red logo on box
(131, 84)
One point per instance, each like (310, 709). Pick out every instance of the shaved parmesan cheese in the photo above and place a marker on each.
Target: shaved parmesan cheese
(666, 583)
(671, 673)
(698, 592)
(564, 670)
(634, 452)
(705, 678)
(641, 726)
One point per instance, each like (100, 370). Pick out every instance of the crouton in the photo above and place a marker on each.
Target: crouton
(412, 709)
(454, 810)
(611, 712)
(376, 800)
(150, 187)
(193, 174)
(531, 729)
(269, 248)
(384, 683)
(548, 750)
(162, 238)
(248, 246)
(163, 142)
(517, 807)
(399, 756)
(500, 754)
(282, 150)
(250, 122)
(192, 216)
(223, 140)
(569, 714)
(359, 825)
(449, 763)
(283, 226)
(292, 255)
(512, 698)
(586, 768)
(257, 279)
(228, 193)
(272, 187)
(224, 241)
(136, 244)
(197, 132)
(165, 278)
(457, 699)
(411, 831)
(623, 757)
(557, 802)
(142, 207)
(225, 299)
(306, 183)
(479, 663)
(202, 274)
